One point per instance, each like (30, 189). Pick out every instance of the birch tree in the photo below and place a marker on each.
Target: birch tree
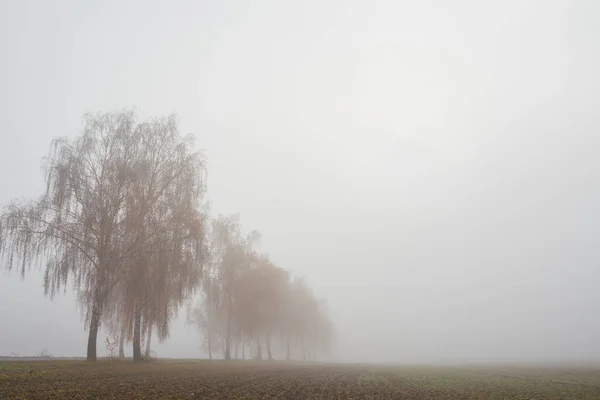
(76, 226)
(165, 230)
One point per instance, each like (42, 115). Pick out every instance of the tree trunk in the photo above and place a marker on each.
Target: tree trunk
(288, 355)
(122, 341)
(148, 339)
(243, 344)
(303, 346)
(137, 350)
(258, 350)
(227, 353)
(93, 334)
(269, 347)
(235, 351)
(209, 345)
(227, 340)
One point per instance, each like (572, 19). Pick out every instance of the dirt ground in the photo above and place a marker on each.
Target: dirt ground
(282, 380)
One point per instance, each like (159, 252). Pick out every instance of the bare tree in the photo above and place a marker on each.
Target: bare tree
(164, 228)
(260, 292)
(204, 317)
(217, 316)
(76, 226)
(308, 324)
(228, 259)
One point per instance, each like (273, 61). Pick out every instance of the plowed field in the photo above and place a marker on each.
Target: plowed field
(279, 380)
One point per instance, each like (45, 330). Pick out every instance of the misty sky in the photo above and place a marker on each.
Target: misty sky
(430, 167)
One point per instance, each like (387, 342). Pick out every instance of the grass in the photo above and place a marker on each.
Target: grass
(188, 379)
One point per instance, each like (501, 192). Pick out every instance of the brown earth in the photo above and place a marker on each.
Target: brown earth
(279, 380)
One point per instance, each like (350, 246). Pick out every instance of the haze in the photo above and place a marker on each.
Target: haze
(430, 168)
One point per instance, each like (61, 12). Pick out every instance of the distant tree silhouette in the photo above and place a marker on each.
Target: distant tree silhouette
(247, 300)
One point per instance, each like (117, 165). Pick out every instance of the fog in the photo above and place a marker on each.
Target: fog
(429, 167)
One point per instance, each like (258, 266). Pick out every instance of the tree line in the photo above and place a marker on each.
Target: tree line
(123, 221)
(248, 301)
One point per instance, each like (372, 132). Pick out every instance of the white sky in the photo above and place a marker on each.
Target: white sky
(430, 167)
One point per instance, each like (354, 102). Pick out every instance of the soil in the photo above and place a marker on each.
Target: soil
(286, 380)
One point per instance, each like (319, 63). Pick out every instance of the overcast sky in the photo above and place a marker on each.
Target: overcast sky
(431, 167)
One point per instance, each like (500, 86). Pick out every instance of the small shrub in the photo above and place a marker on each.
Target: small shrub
(111, 347)
(44, 354)
(149, 357)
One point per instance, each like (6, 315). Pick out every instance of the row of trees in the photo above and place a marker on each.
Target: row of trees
(123, 221)
(247, 301)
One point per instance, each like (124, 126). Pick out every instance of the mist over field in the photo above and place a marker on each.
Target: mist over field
(430, 169)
